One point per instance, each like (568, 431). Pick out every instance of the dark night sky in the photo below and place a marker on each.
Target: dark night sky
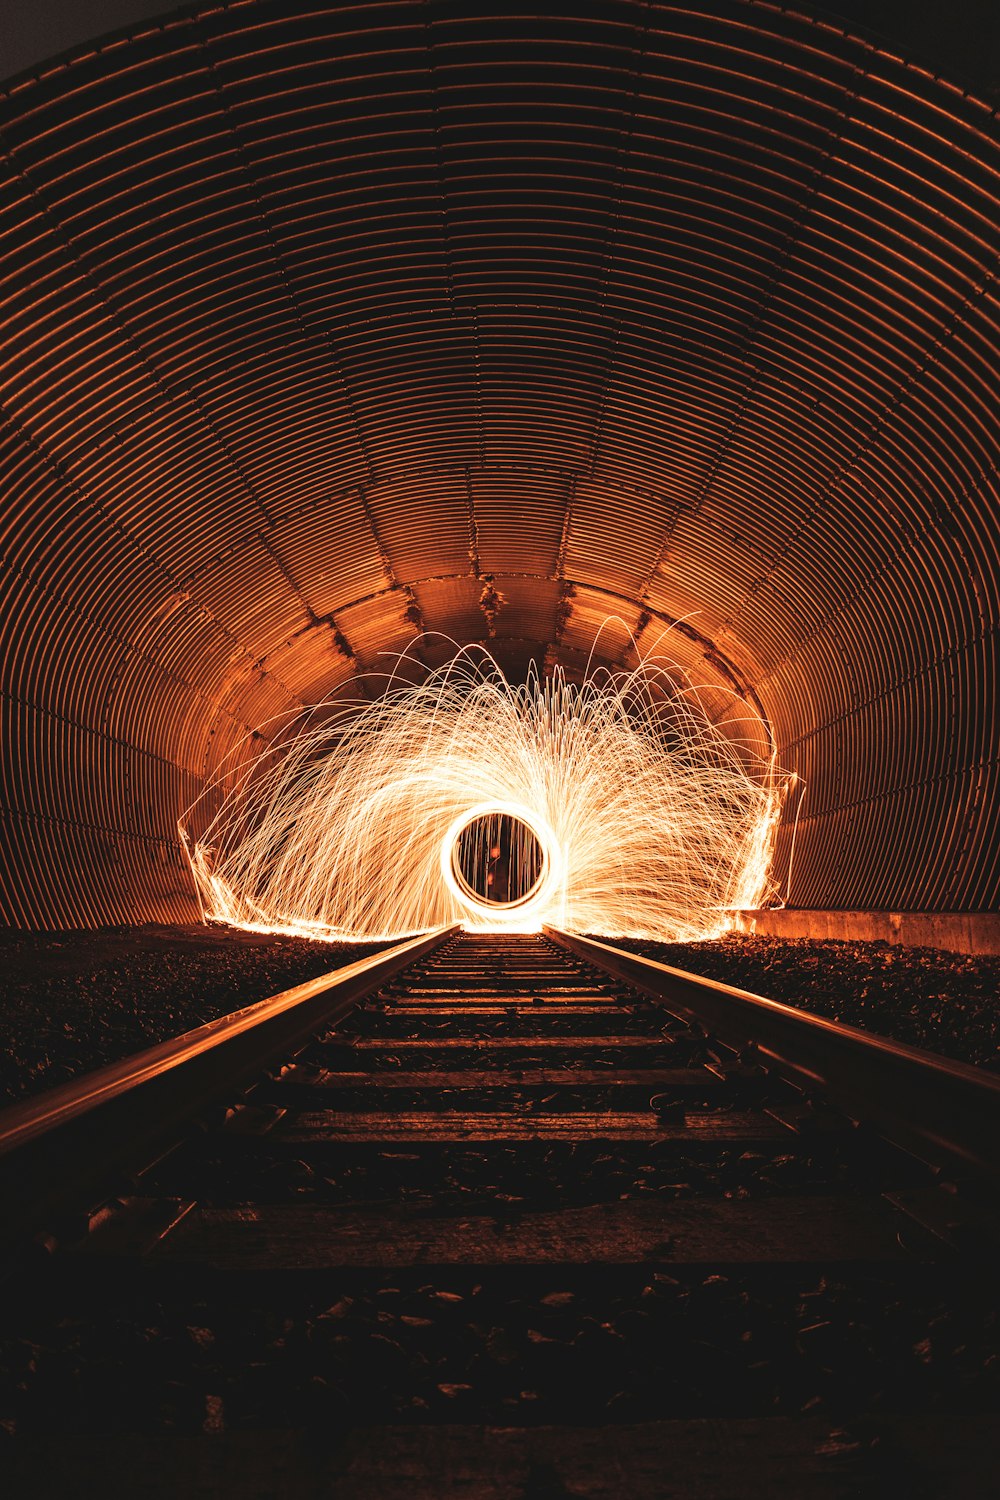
(957, 38)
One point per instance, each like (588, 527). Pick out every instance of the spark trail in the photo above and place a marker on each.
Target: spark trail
(650, 822)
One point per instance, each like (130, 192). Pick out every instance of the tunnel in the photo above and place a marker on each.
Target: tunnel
(330, 329)
(499, 587)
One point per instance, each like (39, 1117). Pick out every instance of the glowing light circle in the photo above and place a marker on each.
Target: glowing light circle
(533, 902)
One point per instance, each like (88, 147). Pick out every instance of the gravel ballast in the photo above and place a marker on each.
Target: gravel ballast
(943, 1002)
(73, 1001)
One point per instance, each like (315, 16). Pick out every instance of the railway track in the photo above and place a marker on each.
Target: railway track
(506, 1216)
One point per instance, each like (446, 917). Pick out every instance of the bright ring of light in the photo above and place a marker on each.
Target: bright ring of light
(528, 907)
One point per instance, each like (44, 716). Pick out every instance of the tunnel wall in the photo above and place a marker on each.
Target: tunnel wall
(956, 931)
(328, 325)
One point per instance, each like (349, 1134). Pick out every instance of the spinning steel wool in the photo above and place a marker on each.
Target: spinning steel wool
(613, 807)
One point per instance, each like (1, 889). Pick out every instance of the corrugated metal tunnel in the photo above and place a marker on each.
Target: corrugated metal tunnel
(328, 326)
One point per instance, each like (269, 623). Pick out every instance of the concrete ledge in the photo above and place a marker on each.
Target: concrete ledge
(958, 931)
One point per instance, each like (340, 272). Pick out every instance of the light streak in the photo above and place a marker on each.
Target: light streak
(652, 821)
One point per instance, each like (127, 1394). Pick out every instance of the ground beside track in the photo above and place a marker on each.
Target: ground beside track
(926, 997)
(72, 1001)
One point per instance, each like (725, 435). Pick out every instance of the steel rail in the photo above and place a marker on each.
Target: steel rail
(946, 1113)
(62, 1150)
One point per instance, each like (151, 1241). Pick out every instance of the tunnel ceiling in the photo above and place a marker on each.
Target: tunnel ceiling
(330, 325)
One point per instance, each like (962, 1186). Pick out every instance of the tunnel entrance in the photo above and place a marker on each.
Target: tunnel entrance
(497, 860)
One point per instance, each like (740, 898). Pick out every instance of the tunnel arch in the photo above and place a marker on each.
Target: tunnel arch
(328, 325)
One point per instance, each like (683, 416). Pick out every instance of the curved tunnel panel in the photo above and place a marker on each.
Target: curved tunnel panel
(327, 326)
